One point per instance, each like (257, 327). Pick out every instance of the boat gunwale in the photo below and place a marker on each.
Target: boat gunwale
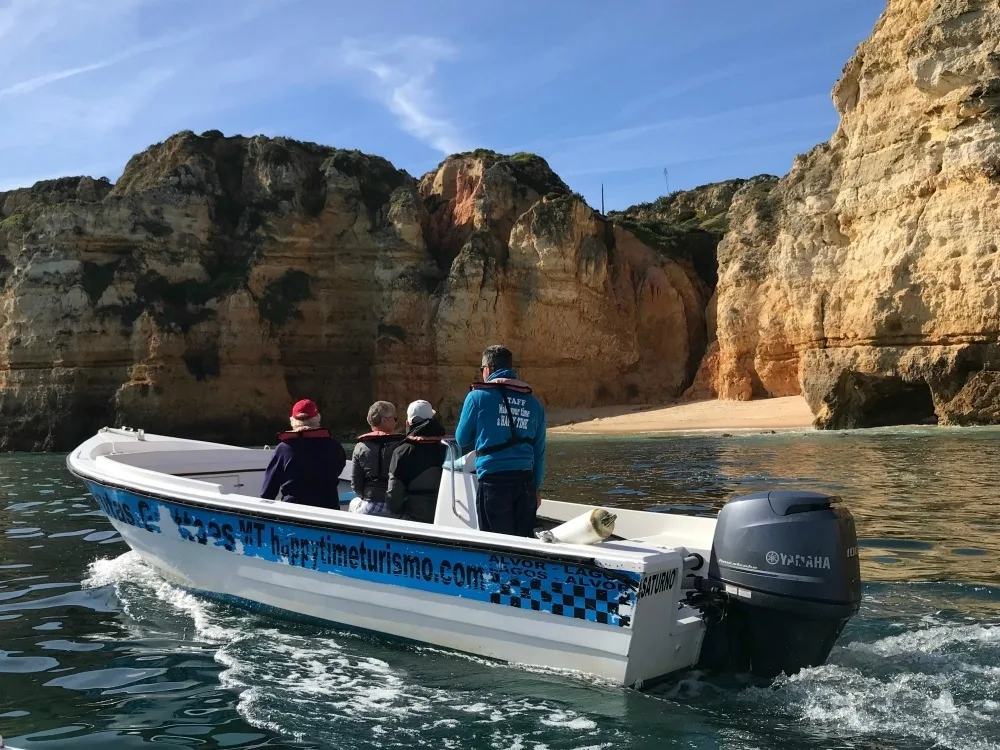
(562, 556)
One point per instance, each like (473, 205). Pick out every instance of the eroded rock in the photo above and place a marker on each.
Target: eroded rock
(221, 279)
(872, 267)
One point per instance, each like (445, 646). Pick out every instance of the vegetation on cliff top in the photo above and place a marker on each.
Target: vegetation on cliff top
(224, 161)
(689, 224)
(705, 207)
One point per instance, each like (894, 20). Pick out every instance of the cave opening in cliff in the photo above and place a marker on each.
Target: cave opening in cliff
(863, 400)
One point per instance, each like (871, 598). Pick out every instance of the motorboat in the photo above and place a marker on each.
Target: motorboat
(765, 587)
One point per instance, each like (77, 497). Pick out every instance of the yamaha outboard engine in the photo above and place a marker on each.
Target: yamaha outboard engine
(786, 564)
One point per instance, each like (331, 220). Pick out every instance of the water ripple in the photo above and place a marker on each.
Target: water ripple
(141, 662)
(11, 663)
(103, 678)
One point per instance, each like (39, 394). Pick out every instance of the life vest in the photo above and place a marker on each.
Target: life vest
(510, 384)
(315, 432)
(503, 385)
(424, 438)
(377, 475)
(376, 437)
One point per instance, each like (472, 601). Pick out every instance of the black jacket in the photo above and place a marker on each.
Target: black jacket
(415, 472)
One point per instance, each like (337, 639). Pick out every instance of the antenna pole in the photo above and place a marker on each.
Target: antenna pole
(666, 178)
(602, 199)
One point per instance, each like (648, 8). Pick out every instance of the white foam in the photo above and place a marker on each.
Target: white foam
(930, 640)
(313, 680)
(568, 720)
(298, 683)
(128, 570)
(109, 571)
(910, 686)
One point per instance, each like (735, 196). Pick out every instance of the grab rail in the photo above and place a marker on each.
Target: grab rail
(124, 431)
(139, 434)
(453, 458)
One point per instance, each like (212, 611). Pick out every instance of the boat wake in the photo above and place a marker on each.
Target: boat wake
(934, 682)
(938, 686)
(299, 680)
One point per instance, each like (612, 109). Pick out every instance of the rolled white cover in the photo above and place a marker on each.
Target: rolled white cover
(588, 528)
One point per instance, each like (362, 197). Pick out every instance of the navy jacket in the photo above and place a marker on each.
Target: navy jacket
(485, 423)
(306, 469)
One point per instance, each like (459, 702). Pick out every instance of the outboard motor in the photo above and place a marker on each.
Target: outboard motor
(786, 563)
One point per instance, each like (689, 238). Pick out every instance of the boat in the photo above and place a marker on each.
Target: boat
(765, 587)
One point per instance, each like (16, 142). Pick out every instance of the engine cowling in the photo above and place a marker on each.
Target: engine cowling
(787, 562)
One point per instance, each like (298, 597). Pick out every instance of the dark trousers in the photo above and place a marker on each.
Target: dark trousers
(505, 503)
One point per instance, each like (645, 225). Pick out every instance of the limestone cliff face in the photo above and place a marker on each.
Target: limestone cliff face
(867, 277)
(222, 278)
(594, 315)
(218, 277)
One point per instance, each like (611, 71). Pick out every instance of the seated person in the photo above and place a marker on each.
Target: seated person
(306, 465)
(370, 461)
(415, 471)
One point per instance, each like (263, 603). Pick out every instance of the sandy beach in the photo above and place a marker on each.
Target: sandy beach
(790, 412)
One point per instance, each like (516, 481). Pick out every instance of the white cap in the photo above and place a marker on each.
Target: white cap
(418, 411)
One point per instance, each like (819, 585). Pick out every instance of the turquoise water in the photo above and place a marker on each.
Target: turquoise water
(96, 651)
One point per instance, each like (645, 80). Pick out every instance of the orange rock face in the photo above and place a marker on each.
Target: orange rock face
(593, 315)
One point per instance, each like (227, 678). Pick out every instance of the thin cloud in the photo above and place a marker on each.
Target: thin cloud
(698, 158)
(677, 89)
(33, 84)
(402, 71)
(26, 87)
(608, 138)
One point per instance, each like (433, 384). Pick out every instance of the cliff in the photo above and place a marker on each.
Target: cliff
(220, 279)
(867, 277)
(594, 315)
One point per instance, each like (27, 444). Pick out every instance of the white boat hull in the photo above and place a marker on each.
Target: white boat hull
(615, 612)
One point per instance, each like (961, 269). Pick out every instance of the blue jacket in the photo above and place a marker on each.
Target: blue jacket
(306, 470)
(484, 423)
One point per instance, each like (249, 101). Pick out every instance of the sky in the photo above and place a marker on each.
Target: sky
(609, 93)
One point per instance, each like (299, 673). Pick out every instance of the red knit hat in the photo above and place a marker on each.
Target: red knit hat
(304, 409)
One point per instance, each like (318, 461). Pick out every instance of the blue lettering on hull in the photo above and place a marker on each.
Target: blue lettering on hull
(578, 591)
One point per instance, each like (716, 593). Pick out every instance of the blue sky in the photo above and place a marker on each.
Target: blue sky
(608, 92)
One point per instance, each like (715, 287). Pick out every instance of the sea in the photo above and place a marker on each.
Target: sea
(96, 651)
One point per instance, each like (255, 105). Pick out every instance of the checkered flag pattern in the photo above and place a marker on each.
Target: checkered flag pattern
(566, 599)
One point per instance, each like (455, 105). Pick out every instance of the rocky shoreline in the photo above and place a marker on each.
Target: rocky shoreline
(220, 278)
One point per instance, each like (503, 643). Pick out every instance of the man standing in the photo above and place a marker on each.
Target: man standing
(505, 424)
